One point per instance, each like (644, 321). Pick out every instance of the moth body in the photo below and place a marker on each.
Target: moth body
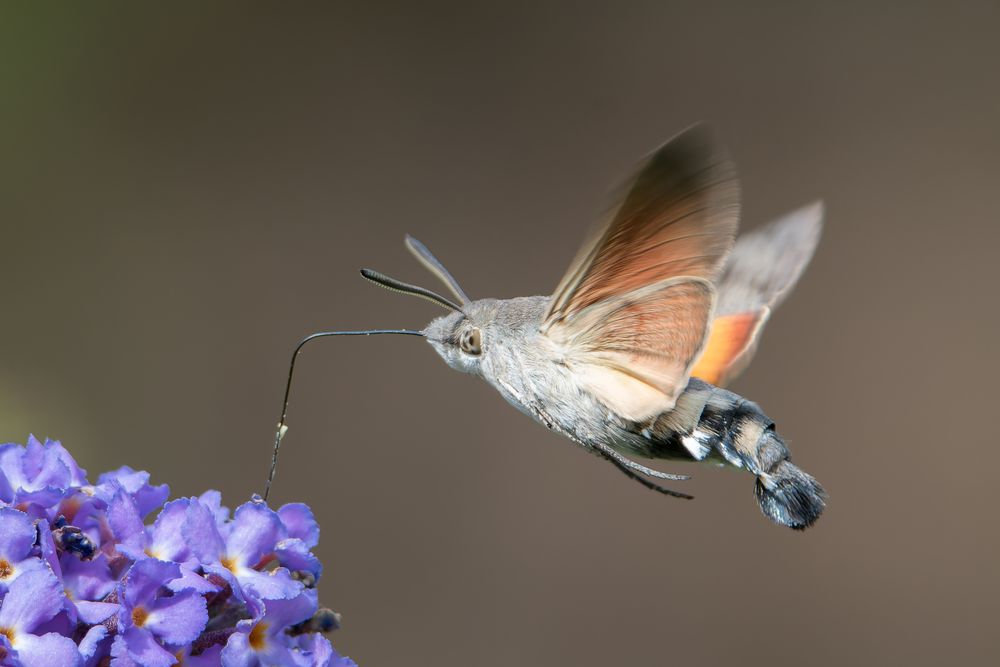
(519, 362)
(710, 423)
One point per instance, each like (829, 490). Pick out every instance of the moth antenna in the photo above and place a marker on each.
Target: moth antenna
(405, 288)
(282, 424)
(432, 264)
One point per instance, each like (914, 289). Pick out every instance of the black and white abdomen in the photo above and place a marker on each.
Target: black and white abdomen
(708, 422)
(711, 423)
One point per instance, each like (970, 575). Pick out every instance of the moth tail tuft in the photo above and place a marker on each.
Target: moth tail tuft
(789, 496)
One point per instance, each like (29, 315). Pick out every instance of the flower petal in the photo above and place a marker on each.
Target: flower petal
(92, 613)
(31, 457)
(210, 657)
(295, 555)
(47, 651)
(125, 522)
(191, 581)
(119, 653)
(230, 578)
(87, 580)
(22, 567)
(17, 534)
(140, 646)
(33, 598)
(18, 484)
(201, 532)
(273, 585)
(6, 490)
(178, 619)
(212, 499)
(237, 652)
(276, 651)
(256, 529)
(78, 476)
(12, 464)
(321, 653)
(279, 614)
(91, 642)
(166, 538)
(47, 547)
(145, 577)
(300, 523)
(62, 623)
(8, 653)
(43, 467)
(147, 497)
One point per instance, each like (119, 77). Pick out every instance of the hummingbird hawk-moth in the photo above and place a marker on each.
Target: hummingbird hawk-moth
(661, 307)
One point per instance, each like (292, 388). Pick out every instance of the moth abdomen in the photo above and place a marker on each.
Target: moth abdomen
(790, 496)
(709, 422)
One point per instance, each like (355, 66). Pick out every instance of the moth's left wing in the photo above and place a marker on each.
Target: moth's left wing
(761, 270)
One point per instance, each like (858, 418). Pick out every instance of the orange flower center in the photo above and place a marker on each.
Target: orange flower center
(228, 563)
(6, 569)
(139, 616)
(9, 633)
(258, 636)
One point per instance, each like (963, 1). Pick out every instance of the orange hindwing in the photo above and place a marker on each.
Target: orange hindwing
(729, 346)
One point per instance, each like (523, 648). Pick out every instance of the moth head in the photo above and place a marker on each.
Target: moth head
(463, 339)
(459, 337)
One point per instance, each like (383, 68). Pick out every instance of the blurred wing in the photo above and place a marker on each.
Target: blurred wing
(762, 269)
(678, 218)
(635, 352)
(730, 346)
(631, 314)
(766, 263)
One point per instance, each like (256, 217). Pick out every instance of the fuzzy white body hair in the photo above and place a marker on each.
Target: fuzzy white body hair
(528, 369)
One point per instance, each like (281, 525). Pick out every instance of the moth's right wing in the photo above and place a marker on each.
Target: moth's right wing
(632, 313)
(760, 272)
(678, 217)
(634, 352)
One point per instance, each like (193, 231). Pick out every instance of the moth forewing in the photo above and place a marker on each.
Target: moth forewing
(678, 218)
(634, 352)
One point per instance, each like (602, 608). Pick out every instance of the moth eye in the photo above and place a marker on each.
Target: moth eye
(471, 342)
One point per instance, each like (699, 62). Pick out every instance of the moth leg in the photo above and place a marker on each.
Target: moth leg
(616, 461)
(626, 465)
(632, 466)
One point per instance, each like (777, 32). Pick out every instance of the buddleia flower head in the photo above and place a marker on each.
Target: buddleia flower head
(113, 574)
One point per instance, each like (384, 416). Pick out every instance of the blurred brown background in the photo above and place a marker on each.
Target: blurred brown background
(186, 191)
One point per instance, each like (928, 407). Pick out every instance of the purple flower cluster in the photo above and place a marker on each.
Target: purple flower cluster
(85, 582)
